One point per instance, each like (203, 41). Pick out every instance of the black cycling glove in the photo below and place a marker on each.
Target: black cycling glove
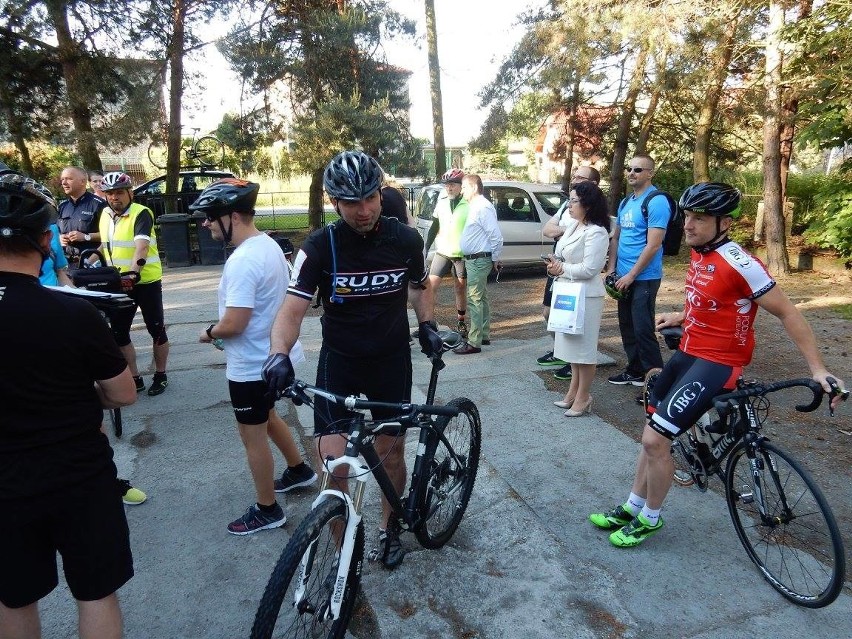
(278, 373)
(430, 342)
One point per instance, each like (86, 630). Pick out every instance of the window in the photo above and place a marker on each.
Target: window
(512, 205)
(550, 202)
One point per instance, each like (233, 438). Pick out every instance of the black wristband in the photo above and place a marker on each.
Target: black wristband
(210, 331)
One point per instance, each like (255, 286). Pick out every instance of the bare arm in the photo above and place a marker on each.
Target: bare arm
(552, 228)
(422, 301)
(117, 391)
(233, 323)
(64, 279)
(288, 324)
(612, 256)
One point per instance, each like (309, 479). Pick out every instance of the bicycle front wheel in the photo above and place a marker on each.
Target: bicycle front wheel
(315, 539)
(796, 544)
(450, 475)
(209, 152)
(157, 156)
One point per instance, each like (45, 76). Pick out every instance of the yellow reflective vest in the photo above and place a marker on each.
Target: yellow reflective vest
(117, 234)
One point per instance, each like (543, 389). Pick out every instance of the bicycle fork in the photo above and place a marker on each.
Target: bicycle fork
(346, 542)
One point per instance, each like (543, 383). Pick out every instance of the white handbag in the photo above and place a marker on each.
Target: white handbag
(567, 307)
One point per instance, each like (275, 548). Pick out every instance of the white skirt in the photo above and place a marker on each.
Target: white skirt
(582, 349)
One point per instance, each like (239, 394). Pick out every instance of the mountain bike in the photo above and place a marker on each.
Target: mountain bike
(206, 152)
(312, 589)
(107, 304)
(779, 513)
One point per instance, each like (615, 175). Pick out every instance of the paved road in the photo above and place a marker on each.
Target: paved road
(524, 564)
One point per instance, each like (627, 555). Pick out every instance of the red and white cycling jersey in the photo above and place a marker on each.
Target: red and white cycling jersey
(721, 287)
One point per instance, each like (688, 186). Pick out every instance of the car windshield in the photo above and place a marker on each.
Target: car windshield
(550, 201)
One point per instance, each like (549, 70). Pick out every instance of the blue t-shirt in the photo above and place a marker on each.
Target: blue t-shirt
(633, 236)
(55, 260)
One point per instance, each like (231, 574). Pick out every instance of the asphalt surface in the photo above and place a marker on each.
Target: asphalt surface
(525, 563)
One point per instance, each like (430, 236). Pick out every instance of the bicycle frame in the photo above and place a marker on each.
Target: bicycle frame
(361, 445)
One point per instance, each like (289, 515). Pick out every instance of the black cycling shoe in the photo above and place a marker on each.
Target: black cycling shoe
(159, 384)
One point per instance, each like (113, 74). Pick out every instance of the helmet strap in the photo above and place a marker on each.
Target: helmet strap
(226, 233)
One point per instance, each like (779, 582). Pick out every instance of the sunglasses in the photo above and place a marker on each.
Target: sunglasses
(635, 169)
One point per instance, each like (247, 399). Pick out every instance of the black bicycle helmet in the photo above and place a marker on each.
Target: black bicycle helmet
(26, 207)
(115, 181)
(713, 198)
(226, 196)
(352, 176)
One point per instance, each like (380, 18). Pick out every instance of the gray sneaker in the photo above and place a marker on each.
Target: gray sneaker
(291, 479)
(388, 549)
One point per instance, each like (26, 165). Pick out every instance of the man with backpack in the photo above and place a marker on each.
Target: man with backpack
(636, 258)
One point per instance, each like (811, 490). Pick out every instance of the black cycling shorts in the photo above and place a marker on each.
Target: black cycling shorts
(86, 526)
(441, 265)
(381, 379)
(684, 391)
(251, 401)
(149, 298)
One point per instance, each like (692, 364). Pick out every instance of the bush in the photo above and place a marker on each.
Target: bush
(830, 219)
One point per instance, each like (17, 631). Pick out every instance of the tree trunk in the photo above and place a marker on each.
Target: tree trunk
(315, 201)
(625, 119)
(718, 73)
(789, 110)
(648, 118)
(13, 124)
(68, 52)
(776, 249)
(173, 141)
(435, 90)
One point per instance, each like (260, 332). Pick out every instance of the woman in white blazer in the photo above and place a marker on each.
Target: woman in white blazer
(580, 256)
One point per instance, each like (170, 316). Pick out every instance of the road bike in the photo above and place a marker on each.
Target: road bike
(781, 517)
(206, 152)
(312, 589)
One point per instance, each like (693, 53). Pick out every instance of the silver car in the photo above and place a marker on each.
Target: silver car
(522, 210)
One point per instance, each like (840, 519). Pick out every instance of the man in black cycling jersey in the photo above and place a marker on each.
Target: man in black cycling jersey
(724, 288)
(364, 266)
(53, 393)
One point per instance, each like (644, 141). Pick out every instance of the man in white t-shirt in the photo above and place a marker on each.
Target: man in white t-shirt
(252, 288)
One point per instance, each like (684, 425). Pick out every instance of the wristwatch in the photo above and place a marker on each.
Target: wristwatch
(87, 237)
(209, 331)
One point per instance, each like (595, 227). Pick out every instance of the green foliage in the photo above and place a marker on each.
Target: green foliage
(48, 162)
(831, 218)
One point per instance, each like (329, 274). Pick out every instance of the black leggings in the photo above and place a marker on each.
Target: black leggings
(149, 298)
(685, 390)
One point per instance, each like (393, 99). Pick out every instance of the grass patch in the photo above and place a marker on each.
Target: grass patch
(844, 310)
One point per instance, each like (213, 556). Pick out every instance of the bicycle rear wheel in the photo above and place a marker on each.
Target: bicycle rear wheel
(309, 617)
(451, 473)
(209, 152)
(797, 545)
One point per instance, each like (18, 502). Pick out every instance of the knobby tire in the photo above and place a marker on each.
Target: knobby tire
(448, 482)
(277, 612)
(800, 552)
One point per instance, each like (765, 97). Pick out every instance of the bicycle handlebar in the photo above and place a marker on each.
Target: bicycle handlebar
(727, 403)
(299, 392)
